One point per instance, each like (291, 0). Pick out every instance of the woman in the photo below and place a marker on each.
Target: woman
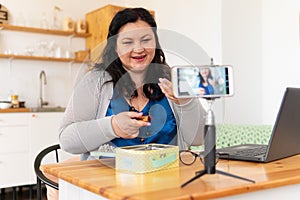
(206, 81)
(108, 105)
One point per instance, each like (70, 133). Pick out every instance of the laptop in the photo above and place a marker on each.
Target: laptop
(285, 138)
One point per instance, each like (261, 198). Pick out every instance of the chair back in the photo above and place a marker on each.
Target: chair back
(41, 178)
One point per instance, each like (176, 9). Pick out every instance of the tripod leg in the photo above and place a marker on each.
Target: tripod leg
(234, 176)
(198, 175)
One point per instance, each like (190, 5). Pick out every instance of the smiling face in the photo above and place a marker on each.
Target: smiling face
(136, 46)
(204, 72)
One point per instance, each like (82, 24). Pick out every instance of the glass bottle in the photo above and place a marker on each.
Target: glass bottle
(44, 23)
(14, 101)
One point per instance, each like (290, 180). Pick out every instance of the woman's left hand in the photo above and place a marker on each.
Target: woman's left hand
(167, 88)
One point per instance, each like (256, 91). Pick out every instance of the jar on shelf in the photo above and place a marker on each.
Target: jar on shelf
(14, 101)
(68, 24)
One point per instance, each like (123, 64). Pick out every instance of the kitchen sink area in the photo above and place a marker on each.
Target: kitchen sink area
(43, 105)
(48, 109)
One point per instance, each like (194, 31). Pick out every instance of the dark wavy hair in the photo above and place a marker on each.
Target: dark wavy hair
(111, 63)
(209, 76)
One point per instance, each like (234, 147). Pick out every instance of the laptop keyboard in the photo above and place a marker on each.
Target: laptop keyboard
(256, 151)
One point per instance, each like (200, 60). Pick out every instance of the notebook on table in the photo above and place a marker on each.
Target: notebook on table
(285, 138)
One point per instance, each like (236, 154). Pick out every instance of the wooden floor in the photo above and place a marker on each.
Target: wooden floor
(21, 193)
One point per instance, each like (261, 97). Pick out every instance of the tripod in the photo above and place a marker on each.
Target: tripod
(210, 149)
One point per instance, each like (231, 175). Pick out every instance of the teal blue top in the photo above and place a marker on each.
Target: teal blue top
(163, 124)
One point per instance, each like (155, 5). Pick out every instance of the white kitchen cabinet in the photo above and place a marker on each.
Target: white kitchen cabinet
(14, 149)
(22, 137)
(43, 133)
(14, 169)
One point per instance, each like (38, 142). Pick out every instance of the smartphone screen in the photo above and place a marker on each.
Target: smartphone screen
(206, 81)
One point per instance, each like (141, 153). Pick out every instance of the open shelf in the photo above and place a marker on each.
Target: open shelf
(43, 31)
(24, 57)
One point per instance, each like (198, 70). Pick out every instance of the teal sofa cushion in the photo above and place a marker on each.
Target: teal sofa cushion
(235, 134)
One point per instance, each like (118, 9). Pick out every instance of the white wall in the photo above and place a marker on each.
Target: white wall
(242, 47)
(198, 20)
(22, 76)
(260, 38)
(281, 53)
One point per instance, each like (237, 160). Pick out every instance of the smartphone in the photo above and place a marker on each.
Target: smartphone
(202, 81)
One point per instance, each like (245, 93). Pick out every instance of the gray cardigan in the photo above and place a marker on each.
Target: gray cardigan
(85, 127)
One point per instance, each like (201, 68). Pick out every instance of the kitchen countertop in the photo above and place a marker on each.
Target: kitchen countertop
(34, 109)
(10, 110)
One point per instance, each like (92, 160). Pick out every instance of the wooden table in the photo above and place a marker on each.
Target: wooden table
(97, 180)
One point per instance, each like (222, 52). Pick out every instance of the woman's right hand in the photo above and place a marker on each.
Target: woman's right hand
(201, 91)
(126, 124)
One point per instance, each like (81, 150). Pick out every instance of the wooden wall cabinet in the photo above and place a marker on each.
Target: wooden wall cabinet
(98, 22)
